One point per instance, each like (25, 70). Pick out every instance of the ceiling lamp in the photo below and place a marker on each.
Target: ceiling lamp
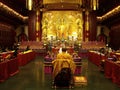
(90, 4)
(29, 4)
(94, 4)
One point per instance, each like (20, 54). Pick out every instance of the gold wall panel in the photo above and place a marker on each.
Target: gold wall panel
(62, 25)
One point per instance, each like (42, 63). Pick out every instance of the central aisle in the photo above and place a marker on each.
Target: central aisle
(32, 77)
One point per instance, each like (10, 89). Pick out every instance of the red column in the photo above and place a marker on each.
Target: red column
(40, 25)
(86, 32)
(37, 26)
(32, 26)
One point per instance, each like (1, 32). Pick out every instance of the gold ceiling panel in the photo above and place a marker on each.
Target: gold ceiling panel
(58, 1)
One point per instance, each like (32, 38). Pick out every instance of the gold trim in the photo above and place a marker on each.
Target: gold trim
(109, 14)
(9, 10)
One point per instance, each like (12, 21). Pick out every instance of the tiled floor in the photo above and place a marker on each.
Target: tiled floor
(32, 77)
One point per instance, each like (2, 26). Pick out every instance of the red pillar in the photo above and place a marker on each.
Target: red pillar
(37, 28)
(86, 29)
(31, 26)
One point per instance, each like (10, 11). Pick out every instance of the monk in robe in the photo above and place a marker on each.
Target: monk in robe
(58, 63)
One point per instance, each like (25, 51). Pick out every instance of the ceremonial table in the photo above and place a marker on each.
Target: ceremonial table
(108, 68)
(8, 68)
(55, 50)
(83, 53)
(25, 57)
(4, 71)
(4, 54)
(13, 67)
(116, 54)
(96, 57)
(48, 64)
(50, 59)
(112, 71)
(78, 62)
(116, 73)
(111, 68)
(40, 52)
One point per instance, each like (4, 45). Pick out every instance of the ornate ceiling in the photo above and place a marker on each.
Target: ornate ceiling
(20, 7)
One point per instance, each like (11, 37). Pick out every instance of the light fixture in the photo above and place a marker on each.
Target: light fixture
(90, 4)
(94, 4)
(29, 4)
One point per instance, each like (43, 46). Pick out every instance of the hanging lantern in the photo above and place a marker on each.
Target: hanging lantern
(94, 4)
(29, 4)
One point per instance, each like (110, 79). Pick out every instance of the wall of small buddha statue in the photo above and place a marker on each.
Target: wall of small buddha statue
(114, 36)
(62, 25)
(7, 35)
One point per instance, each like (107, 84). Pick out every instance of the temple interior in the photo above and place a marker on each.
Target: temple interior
(59, 44)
